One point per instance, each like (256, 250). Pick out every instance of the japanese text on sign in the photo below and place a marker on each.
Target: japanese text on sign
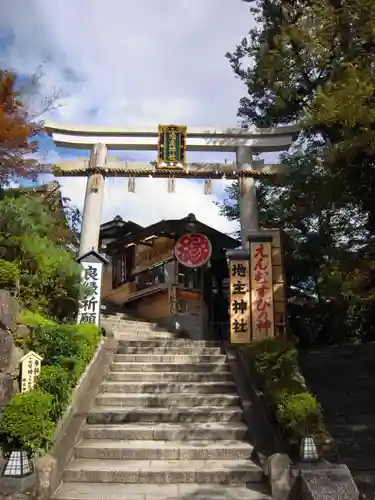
(30, 370)
(239, 302)
(262, 311)
(89, 308)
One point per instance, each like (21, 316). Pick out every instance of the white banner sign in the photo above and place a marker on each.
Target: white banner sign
(89, 308)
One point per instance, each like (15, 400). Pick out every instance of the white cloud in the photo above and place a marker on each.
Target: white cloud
(152, 202)
(134, 62)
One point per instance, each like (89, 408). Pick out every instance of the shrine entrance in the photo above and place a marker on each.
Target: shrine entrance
(172, 143)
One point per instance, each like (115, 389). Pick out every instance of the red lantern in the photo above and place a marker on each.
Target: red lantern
(193, 250)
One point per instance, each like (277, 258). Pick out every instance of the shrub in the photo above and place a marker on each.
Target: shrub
(300, 414)
(55, 343)
(30, 417)
(55, 380)
(27, 420)
(297, 411)
(9, 273)
(88, 338)
(30, 318)
(274, 358)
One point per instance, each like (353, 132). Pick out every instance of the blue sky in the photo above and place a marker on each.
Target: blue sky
(134, 62)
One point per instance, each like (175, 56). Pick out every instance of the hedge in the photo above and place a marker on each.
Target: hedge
(274, 363)
(30, 418)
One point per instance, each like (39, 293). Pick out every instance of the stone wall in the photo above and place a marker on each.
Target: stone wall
(10, 353)
(343, 378)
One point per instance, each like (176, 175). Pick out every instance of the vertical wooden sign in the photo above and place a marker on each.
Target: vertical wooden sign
(239, 301)
(262, 306)
(172, 300)
(278, 282)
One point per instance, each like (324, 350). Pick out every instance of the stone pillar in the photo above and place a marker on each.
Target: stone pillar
(249, 215)
(92, 210)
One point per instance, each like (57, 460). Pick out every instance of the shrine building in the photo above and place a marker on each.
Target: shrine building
(152, 276)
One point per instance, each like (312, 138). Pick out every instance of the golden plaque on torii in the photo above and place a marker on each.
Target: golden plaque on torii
(171, 147)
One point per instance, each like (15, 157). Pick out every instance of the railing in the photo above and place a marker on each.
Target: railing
(150, 278)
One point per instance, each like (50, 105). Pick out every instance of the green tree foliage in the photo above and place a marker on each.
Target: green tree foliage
(33, 239)
(312, 62)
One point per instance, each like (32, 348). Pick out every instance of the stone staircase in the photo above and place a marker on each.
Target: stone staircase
(166, 423)
(124, 328)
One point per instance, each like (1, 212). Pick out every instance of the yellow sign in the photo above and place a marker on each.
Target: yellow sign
(239, 302)
(262, 307)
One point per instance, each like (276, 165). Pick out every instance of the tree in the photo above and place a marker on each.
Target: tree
(21, 107)
(17, 133)
(34, 260)
(312, 62)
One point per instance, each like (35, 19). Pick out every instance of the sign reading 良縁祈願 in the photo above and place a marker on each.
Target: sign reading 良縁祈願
(91, 278)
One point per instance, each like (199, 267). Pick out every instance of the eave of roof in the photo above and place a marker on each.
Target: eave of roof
(168, 228)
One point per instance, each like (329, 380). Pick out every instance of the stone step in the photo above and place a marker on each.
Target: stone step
(166, 400)
(192, 491)
(169, 387)
(163, 377)
(128, 322)
(169, 367)
(164, 450)
(168, 432)
(121, 415)
(148, 332)
(170, 343)
(141, 336)
(162, 471)
(168, 358)
(119, 327)
(182, 349)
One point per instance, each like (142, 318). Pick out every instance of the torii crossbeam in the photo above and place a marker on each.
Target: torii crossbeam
(243, 141)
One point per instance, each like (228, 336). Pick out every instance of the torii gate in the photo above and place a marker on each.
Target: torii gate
(243, 141)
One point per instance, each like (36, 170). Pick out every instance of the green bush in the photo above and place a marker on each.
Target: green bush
(26, 420)
(56, 381)
(31, 417)
(9, 273)
(275, 362)
(59, 342)
(68, 346)
(88, 338)
(30, 318)
(274, 358)
(300, 414)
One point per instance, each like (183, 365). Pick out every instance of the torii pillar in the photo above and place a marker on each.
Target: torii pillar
(249, 213)
(92, 210)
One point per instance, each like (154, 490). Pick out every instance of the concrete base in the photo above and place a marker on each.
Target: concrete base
(9, 485)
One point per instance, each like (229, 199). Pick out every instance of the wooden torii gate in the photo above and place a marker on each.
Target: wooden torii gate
(172, 142)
